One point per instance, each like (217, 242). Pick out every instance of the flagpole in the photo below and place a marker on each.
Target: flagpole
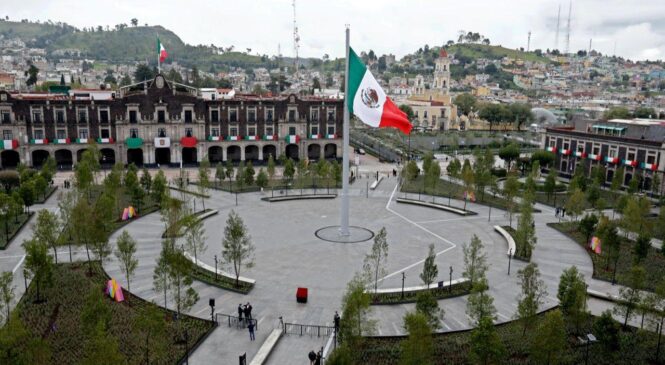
(159, 50)
(344, 213)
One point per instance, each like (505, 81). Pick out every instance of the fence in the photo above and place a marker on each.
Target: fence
(307, 329)
(232, 321)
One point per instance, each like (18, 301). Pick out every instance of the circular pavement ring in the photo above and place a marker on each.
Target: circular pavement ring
(356, 234)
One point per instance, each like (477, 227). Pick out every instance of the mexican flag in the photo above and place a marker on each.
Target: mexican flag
(292, 139)
(9, 144)
(62, 141)
(369, 102)
(161, 51)
(214, 138)
(104, 140)
(39, 141)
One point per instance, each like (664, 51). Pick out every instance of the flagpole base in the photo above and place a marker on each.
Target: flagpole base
(334, 234)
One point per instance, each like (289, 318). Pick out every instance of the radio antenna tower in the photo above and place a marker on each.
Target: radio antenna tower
(296, 40)
(570, 9)
(528, 42)
(558, 21)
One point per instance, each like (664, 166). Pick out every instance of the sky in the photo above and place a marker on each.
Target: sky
(633, 29)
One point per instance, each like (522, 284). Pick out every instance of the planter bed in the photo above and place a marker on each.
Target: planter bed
(14, 229)
(511, 231)
(460, 287)
(195, 193)
(49, 191)
(282, 198)
(202, 214)
(206, 274)
(447, 208)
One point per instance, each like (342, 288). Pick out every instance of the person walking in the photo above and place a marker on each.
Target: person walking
(311, 356)
(336, 321)
(251, 331)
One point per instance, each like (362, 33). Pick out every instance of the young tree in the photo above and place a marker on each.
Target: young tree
(468, 181)
(572, 296)
(454, 168)
(6, 293)
(432, 177)
(607, 331)
(641, 248)
(575, 204)
(531, 296)
(486, 345)
(159, 187)
(418, 347)
(475, 260)
(355, 321)
(588, 225)
(160, 276)
(271, 167)
(146, 180)
(46, 230)
(220, 174)
(289, 170)
(509, 153)
(151, 325)
(549, 342)
(204, 180)
(429, 306)
(510, 190)
(430, 270)
(411, 171)
(375, 261)
(631, 294)
(125, 254)
(39, 264)
(525, 235)
(249, 174)
(195, 239)
(237, 247)
(480, 304)
(634, 214)
(550, 184)
(179, 271)
(262, 179)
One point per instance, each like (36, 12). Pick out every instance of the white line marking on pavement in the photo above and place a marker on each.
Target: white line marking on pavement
(18, 265)
(452, 245)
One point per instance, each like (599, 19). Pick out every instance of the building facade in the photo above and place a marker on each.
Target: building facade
(637, 145)
(159, 122)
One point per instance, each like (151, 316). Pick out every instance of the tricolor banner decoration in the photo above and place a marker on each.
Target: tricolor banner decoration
(62, 141)
(595, 157)
(551, 149)
(630, 163)
(331, 136)
(39, 141)
(314, 136)
(251, 138)
(214, 138)
(566, 152)
(232, 138)
(9, 144)
(614, 160)
(580, 154)
(292, 139)
(161, 51)
(649, 166)
(82, 140)
(369, 102)
(104, 140)
(270, 137)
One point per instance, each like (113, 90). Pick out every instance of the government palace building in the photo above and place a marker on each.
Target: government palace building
(158, 122)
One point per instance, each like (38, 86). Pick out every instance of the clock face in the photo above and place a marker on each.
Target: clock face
(159, 81)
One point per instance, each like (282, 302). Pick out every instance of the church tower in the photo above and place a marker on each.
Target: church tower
(442, 73)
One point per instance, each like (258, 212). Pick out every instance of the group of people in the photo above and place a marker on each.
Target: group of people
(246, 311)
(560, 212)
(315, 357)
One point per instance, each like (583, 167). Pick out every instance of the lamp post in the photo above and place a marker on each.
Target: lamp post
(215, 267)
(660, 333)
(403, 277)
(450, 281)
(589, 339)
(510, 257)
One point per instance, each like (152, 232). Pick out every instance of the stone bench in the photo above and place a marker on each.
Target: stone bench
(511, 242)
(219, 272)
(435, 206)
(282, 198)
(375, 183)
(419, 287)
(267, 347)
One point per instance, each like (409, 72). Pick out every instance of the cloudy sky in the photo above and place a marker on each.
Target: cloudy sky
(635, 28)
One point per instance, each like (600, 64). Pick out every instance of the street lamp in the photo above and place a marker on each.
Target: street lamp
(450, 281)
(510, 257)
(403, 277)
(215, 267)
(589, 339)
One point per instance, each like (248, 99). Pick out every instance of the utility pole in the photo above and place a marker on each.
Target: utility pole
(528, 42)
(558, 21)
(570, 10)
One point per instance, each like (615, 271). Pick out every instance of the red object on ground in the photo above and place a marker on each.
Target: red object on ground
(301, 295)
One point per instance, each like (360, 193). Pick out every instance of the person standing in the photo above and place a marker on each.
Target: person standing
(336, 321)
(240, 311)
(251, 331)
(311, 356)
(319, 357)
(249, 311)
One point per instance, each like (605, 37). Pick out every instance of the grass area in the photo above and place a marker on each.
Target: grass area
(191, 192)
(518, 245)
(306, 182)
(223, 282)
(447, 188)
(454, 347)
(475, 51)
(410, 296)
(654, 263)
(14, 225)
(58, 320)
(561, 199)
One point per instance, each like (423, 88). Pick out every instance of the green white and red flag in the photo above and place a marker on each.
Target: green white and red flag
(161, 51)
(369, 102)
(9, 144)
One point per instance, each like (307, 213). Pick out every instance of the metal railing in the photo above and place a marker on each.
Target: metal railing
(234, 321)
(307, 329)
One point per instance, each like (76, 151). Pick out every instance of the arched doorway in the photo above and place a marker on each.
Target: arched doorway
(189, 155)
(313, 152)
(79, 155)
(162, 156)
(215, 154)
(64, 159)
(292, 152)
(233, 153)
(330, 151)
(107, 157)
(269, 150)
(135, 156)
(39, 157)
(10, 158)
(252, 153)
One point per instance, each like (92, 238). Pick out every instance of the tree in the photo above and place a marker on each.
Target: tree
(102, 349)
(465, 103)
(430, 270)
(510, 189)
(468, 180)
(27, 192)
(588, 226)
(475, 260)
(630, 295)
(427, 304)
(39, 264)
(521, 114)
(160, 276)
(204, 180)
(159, 187)
(411, 171)
(143, 72)
(509, 154)
(550, 184)
(249, 173)
(355, 321)
(531, 296)
(641, 247)
(179, 271)
(151, 325)
(32, 74)
(262, 179)
(375, 261)
(544, 157)
(607, 330)
(6, 293)
(550, 340)
(486, 345)
(525, 235)
(418, 347)
(289, 170)
(271, 167)
(406, 109)
(575, 204)
(19, 346)
(125, 254)
(480, 304)
(494, 113)
(572, 295)
(146, 180)
(237, 247)
(634, 215)
(46, 230)
(454, 168)
(195, 239)
(617, 113)
(95, 312)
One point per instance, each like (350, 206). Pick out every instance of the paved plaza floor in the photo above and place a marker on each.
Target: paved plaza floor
(288, 255)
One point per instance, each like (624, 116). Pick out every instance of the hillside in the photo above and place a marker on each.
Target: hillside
(475, 51)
